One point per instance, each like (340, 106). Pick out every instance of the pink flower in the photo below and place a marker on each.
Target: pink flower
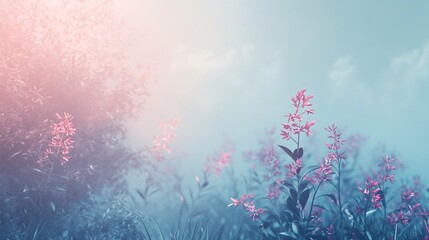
(294, 119)
(316, 216)
(60, 144)
(372, 192)
(274, 191)
(307, 126)
(249, 206)
(217, 164)
(161, 143)
(293, 168)
(335, 155)
(386, 169)
(400, 217)
(407, 195)
(376, 198)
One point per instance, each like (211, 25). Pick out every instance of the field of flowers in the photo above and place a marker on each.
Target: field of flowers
(65, 160)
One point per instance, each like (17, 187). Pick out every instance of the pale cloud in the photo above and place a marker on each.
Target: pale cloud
(342, 71)
(413, 65)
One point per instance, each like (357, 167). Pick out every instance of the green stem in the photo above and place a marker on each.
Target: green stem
(340, 205)
(384, 209)
(312, 203)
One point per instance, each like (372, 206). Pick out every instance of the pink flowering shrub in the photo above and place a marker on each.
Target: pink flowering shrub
(63, 56)
(328, 200)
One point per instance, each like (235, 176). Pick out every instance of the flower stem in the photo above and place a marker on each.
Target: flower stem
(312, 203)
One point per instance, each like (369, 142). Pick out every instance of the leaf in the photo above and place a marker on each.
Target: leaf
(320, 206)
(288, 151)
(292, 206)
(287, 235)
(383, 199)
(295, 228)
(303, 198)
(303, 185)
(141, 194)
(298, 153)
(288, 184)
(370, 212)
(37, 170)
(14, 155)
(52, 206)
(331, 196)
(293, 194)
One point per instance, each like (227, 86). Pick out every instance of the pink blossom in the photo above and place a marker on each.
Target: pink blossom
(293, 168)
(401, 217)
(60, 143)
(335, 146)
(372, 192)
(307, 126)
(294, 120)
(161, 143)
(218, 163)
(407, 195)
(316, 216)
(386, 169)
(274, 191)
(249, 205)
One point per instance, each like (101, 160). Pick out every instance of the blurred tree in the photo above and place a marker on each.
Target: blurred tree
(55, 57)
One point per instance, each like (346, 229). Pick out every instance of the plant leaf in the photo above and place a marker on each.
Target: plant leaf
(303, 185)
(293, 194)
(303, 198)
(288, 151)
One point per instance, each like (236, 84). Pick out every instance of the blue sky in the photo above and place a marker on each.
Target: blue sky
(227, 70)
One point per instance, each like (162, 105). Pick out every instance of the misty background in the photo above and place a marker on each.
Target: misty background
(227, 70)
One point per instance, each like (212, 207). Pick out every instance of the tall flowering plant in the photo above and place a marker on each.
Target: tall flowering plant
(290, 219)
(323, 201)
(61, 141)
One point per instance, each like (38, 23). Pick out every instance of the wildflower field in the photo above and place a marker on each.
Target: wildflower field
(73, 91)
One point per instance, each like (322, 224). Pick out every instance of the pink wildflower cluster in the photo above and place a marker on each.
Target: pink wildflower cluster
(386, 168)
(399, 217)
(335, 146)
(293, 168)
(372, 192)
(294, 124)
(161, 143)
(316, 216)
(274, 189)
(218, 163)
(321, 174)
(248, 204)
(411, 208)
(268, 156)
(61, 141)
